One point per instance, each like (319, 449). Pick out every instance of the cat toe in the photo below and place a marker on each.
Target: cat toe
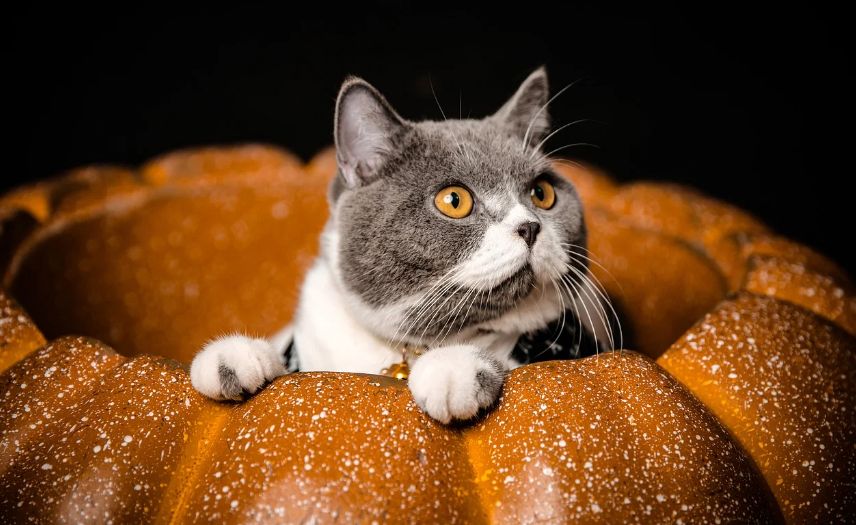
(230, 386)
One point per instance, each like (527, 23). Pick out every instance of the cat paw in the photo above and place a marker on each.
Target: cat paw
(455, 382)
(231, 366)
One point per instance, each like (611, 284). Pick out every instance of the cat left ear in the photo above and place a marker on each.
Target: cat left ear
(525, 114)
(365, 127)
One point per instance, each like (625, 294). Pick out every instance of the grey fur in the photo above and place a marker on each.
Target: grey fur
(393, 242)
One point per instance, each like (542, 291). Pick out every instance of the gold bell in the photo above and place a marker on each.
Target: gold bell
(397, 370)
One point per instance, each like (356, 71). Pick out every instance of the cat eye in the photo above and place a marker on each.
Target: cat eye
(454, 201)
(543, 194)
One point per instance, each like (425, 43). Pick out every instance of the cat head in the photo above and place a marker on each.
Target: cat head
(442, 228)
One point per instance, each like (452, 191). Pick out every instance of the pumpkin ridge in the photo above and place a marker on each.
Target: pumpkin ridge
(19, 336)
(62, 353)
(574, 478)
(799, 284)
(177, 496)
(691, 245)
(472, 446)
(55, 225)
(779, 377)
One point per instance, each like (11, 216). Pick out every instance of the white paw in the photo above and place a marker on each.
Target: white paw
(230, 366)
(454, 382)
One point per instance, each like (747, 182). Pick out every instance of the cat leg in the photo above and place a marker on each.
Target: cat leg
(230, 366)
(454, 382)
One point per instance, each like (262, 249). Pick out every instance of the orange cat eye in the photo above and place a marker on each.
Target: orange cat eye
(543, 194)
(454, 201)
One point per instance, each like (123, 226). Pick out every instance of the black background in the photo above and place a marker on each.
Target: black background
(752, 104)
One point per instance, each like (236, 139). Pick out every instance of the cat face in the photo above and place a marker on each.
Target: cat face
(440, 228)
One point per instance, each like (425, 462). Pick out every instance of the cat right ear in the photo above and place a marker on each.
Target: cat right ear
(525, 114)
(365, 128)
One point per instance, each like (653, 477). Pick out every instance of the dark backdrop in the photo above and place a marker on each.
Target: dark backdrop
(750, 104)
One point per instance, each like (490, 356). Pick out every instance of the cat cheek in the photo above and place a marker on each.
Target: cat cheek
(549, 259)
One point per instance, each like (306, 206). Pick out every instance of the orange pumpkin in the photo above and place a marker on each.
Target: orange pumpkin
(739, 406)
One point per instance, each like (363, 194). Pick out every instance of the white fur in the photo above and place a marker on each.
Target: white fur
(254, 361)
(328, 337)
(501, 253)
(443, 382)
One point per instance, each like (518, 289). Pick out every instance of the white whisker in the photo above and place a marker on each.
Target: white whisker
(567, 162)
(597, 290)
(427, 298)
(585, 284)
(446, 295)
(538, 113)
(451, 323)
(571, 146)
(560, 128)
(564, 316)
(594, 261)
(443, 113)
(566, 282)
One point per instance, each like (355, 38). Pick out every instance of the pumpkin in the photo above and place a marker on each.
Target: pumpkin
(736, 405)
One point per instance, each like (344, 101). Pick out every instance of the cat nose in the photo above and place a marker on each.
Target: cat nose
(529, 231)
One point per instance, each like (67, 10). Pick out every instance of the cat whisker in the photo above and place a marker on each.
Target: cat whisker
(592, 259)
(451, 322)
(422, 303)
(571, 146)
(600, 296)
(586, 287)
(541, 110)
(443, 113)
(577, 317)
(561, 324)
(431, 84)
(475, 298)
(444, 294)
(564, 281)
(437, 314)
(566, 162)
(601, 289)
(557, 130)
(469, 296)
(446, 299)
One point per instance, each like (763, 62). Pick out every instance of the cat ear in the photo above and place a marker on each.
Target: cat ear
(365, 126)
(525, 114)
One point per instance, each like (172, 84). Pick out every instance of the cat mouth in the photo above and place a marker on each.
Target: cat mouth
(522, 278)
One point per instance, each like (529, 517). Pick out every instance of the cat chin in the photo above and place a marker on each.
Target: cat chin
(542, 306)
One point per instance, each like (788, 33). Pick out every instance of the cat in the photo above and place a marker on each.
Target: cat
(448, 244)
